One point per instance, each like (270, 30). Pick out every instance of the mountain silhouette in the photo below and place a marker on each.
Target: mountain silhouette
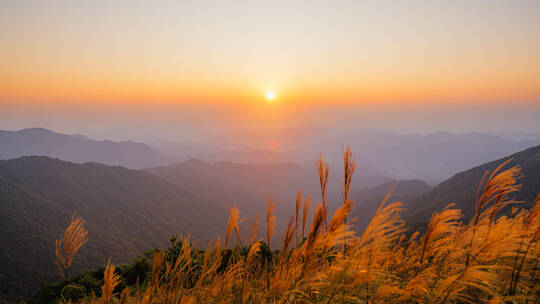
(78, 149)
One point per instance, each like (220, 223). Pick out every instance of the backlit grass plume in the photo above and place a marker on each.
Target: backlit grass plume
(270, 220)
(75, 236)
(323, 169)
(110, 281)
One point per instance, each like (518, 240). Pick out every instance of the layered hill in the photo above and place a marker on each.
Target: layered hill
(280, 180)
(461, 188)
(432, 157)
(248, 186)
(126, 211)
(78, 149)
(368, 200)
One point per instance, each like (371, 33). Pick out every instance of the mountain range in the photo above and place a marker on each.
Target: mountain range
(78, 148)
(381, 155)
(432, 157)
(247, 186)
(460, 189)
(129, 211)
(366, 201)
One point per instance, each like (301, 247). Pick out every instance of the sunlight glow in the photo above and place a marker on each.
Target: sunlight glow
(270, 95)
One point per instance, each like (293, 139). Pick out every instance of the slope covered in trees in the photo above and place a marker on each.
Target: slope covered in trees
(461, 188)
(127, 212)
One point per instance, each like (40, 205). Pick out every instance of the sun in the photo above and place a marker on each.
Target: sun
(270, 95)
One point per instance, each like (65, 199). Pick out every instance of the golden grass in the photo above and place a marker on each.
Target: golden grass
(75, 236)
(232, 225)
(490, 259)
(110, 281)
(323, 169)
(270, 220)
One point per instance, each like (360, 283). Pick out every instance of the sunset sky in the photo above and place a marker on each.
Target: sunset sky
(107, 67)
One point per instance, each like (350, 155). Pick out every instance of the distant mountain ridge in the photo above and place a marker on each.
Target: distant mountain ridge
(517, 135)
(78, 148)
(461, 188)
(127, 212)
(246, 185)
(432, 157)
(366, 201)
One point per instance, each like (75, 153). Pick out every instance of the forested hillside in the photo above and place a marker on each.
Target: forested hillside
(461, 188)
(126, 211)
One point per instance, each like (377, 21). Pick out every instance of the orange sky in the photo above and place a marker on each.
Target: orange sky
(178, 52)
(180, 63)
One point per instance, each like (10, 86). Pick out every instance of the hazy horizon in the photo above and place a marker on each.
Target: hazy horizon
(184, 124)
(177, 70)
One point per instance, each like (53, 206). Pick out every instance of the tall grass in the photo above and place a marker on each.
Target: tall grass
(489, 259)
(75, 236)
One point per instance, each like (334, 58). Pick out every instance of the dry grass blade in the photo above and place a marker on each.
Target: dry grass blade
(74, 238)
(297, 212)
(385, 225)
(441, 223)
(110, 281)
(349, 166)
(310, 245)
(159, 258)
(323, 169)
(254, 229)
(287, 239)
(531, 236)
(232, 224)
(480, 278)
(497, 187)
(270, 220)
(285, 243)
(305, 215)
(253, 250)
